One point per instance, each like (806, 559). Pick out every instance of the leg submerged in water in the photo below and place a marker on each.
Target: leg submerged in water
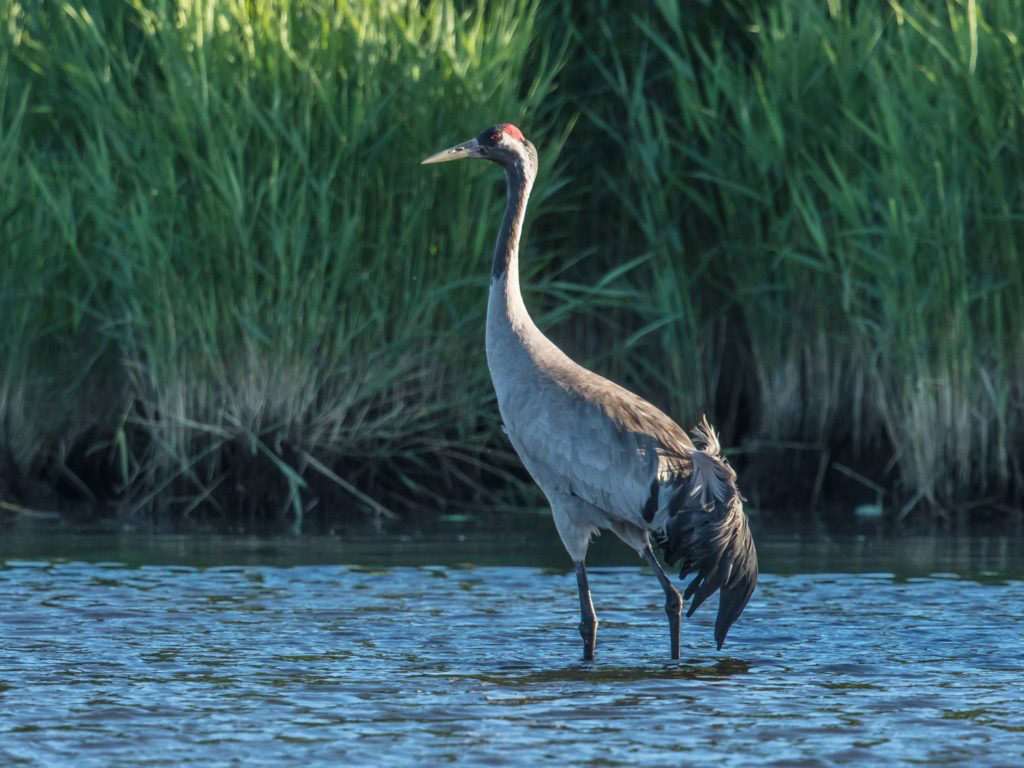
(588, 619)
(575, 529)
(673, 601)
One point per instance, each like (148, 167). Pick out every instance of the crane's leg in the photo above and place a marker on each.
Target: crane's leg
(588, 619)
(575, 530)
(673, 600)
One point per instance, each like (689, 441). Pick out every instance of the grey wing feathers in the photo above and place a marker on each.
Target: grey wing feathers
(597, 439)
(706, 528)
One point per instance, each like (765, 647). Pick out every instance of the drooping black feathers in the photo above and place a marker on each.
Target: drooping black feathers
(651, 507)
(707, 531)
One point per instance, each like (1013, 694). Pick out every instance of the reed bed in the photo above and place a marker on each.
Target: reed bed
(229, 288)
(846, 190)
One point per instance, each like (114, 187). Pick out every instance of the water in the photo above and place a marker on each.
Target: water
(141, 651)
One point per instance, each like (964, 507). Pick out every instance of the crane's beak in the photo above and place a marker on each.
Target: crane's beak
(465, 149)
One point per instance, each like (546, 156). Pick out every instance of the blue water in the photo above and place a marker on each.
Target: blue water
(141, 651)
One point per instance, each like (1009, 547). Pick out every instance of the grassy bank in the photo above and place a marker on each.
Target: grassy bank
(228, 288)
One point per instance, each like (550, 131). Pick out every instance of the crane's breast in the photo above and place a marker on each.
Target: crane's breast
(575, 431)
(569, 443)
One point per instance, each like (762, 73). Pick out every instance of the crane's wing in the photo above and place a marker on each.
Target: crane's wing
(589, 436)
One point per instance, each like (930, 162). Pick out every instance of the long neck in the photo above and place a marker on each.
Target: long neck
(505, 267)
(511, 331)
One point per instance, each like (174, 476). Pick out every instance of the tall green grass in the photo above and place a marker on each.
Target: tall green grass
(227, 284)
(219, 245)
(843, 191)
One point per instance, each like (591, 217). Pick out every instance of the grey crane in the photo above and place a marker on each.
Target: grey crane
(604, 457)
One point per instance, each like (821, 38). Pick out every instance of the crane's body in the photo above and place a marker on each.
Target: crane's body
(605, 458)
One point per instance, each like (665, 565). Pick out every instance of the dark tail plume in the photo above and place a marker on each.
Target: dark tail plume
(708, 531)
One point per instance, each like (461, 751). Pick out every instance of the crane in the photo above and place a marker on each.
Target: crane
(605, 458)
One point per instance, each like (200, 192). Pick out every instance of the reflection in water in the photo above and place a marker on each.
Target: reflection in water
(513, 675)
(419, 663)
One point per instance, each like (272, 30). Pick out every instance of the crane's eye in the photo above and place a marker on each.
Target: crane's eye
(495, 136)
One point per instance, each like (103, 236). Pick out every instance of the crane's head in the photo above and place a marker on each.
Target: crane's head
(503, 144)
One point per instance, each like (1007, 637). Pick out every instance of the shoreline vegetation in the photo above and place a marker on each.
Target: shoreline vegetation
(230, 294)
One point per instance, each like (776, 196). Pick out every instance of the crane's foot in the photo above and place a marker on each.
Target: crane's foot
(588, 619)
(588, 631)
(674, 609)
(673, 601)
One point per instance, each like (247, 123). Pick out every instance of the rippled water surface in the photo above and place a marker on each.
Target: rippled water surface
(125, 652)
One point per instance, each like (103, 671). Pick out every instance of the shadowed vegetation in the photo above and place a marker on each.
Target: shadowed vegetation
(228, 287)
